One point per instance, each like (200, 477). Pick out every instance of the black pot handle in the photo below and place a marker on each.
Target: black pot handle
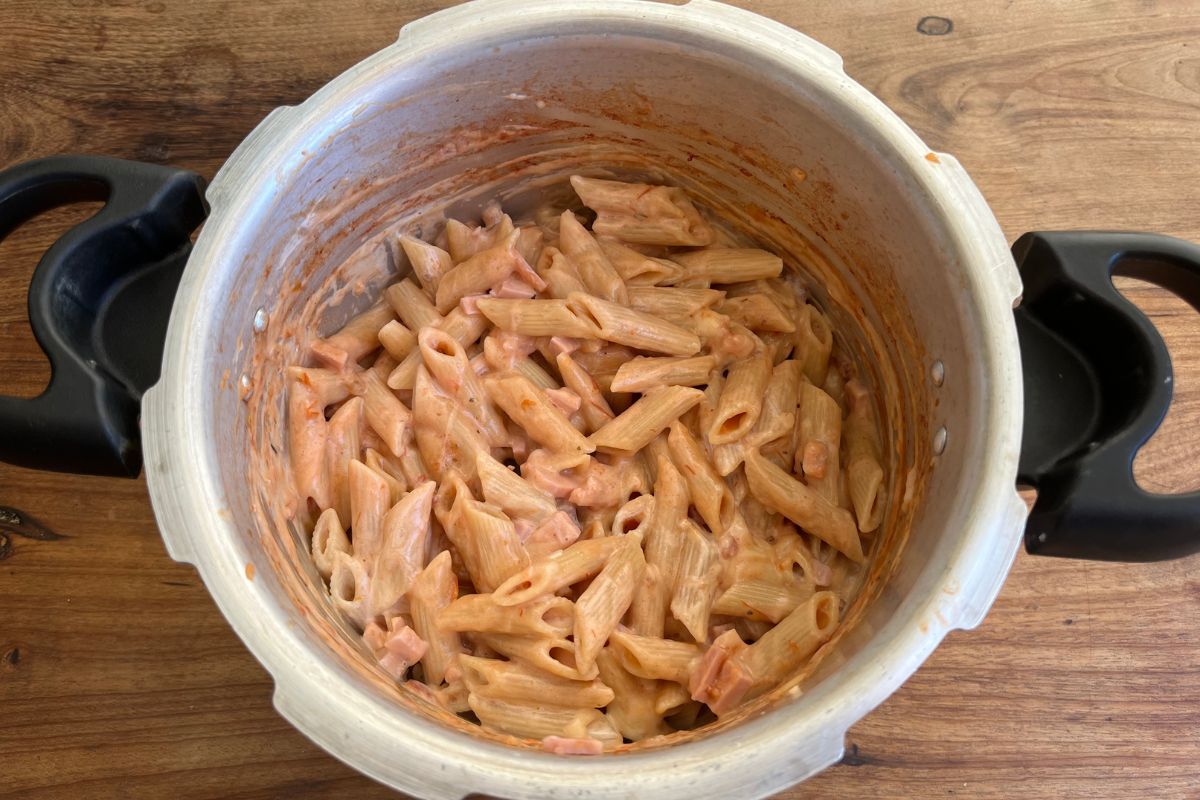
(1098, 383)
(99, 303)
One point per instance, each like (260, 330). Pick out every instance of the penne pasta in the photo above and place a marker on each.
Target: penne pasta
(433, 589)
(696, 582)
(515, 681)
(864, 472)
(645, 419)
(637, 329)
(447, 439)
(538, 721)
(709, 493)
(673, 302)
(741, 400)
(404, 543)
(635, 516)
(377, 464)
(370, 499)
(594, 409)
(349, 588)
(464, 328)
(661, 659)
(670, 699)
(775, 424)
(648, 610)
(448, 364)
(429, 262)
(814, 343)
(664, 539)
(730, 264)
(643, 374)
(560, 275)
(360, 336)
(530, 243)
(412, 305)
(606, 599)
(818, 455)
(591, 265)
(328, 539)
(343, 444)
(536, 317)
(549, 617)
(528, 406)
(637, 212)
(477, 274)
(307, 436)
(768, 598)
(328, 387)
(637, 269)
(781, 649)
(397, 340)
(555, 656)
(465, 241)
(384, 412)
(758, 312)
(780, 492)
(632, 708)
(485, 538)
(511, 493)
(557, 571)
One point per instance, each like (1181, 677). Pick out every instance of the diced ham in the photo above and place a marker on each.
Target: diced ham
(565, 400)
(401, 649)
(504, 348)
(330, 356)
(374, 636)
(562, 344)
(406, 644)
(560, 745)
(704, 683)
(527, 274)
(514, 288)
(470, 304)
(815, 460)
(730, 687)
(395, 665)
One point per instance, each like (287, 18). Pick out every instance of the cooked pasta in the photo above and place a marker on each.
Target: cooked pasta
(585, 484)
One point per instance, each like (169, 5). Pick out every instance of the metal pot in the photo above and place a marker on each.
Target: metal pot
(507, 97)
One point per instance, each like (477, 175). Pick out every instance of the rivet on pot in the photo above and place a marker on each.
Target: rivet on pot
(937, 373)
(939, 440)
(260, 320)
(244, 386)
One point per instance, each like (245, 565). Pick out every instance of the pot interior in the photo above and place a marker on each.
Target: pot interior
(419, 132)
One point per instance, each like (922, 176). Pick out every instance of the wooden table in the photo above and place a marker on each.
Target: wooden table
(119, 678)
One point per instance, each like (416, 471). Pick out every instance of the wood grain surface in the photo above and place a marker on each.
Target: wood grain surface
(119, 678)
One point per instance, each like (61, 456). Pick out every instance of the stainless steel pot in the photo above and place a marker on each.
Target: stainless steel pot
(507, 97)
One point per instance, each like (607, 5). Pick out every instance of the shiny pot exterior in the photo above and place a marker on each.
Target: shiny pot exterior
(762, 124)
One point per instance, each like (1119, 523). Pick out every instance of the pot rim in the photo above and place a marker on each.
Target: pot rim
(754, 758)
